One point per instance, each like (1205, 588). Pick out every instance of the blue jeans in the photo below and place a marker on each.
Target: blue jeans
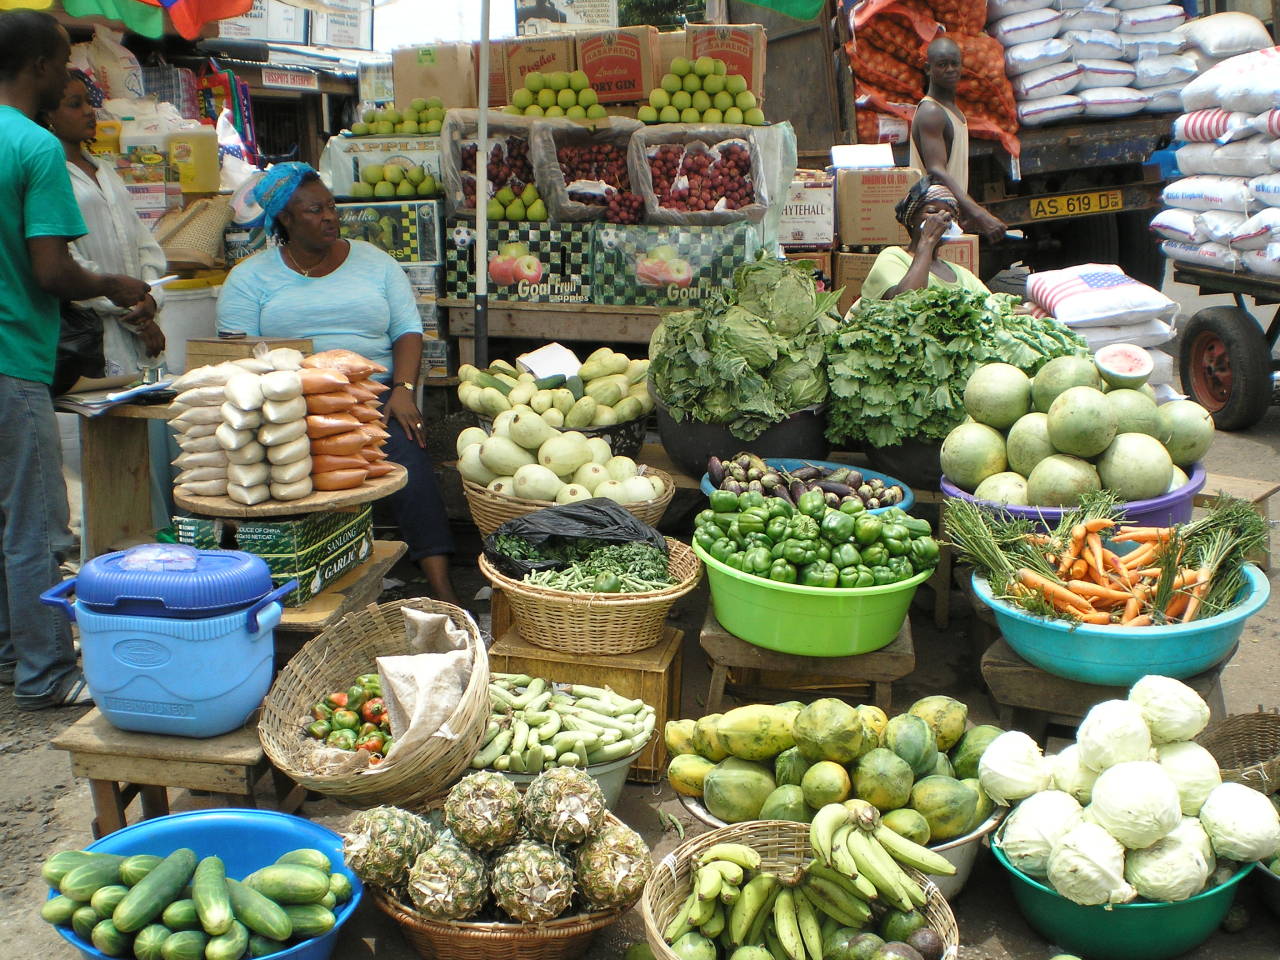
(35, 537)
(418, 506)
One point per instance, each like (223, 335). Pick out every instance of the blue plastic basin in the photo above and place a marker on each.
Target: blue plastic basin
(1120, 656)
(245, 840)
(787, 463)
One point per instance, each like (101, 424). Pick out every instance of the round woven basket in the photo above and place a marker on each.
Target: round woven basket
(491, 510)
(596, 623)
(1247, 748)
(783, 846)
(462, 940)
(332, 661)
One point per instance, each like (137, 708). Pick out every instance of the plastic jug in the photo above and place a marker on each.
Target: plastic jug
(193, 153)
(107, 139)
(145, 140)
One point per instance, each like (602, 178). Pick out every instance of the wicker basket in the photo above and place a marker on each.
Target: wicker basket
(331, 661)
(491, 510)
(1247, 748)
(596, 624)
(783, 846)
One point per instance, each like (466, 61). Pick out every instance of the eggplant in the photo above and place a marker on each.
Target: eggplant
(757, 462)
(737, 472)
(829, 486)
(771, 481)
(743, 460)
(854, 479)
(876, 483)
(796, 488)
(838, 476)
(865, 491)
(833, 500)
(755, 473)
(806, 473)
(892, 496)
(733, 486)
(781, 493)
(715, 471)
(754, 486)
(873, 503)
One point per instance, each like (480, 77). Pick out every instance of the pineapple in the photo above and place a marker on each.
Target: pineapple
(613, 866)
(448, 881)
(532, 882)
(483, 811)
(563, 806)
(381, 844)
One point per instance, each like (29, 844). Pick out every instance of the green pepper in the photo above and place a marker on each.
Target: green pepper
(901, 566)
(820, 574)
(777, 529)
(758, 540)
(722, 549)
(845, 555)
(777, 549)
(780, 508)
(705, 538)
(606, 583)
(735, 534)
(705, 517)
(804, 528)
(799, 552)
(735, 559)
(356, 696)
(318, 729)
(874, 554)
(894, 530)
(822, 549)
(896, 547)
(924, 553)
(848, 576)
(865, 576)
(837, 527)
(782, 572)
(372, 684)
(812, 503)
(344, 719)
(722, 501)
(725, 520)
(757, 561)
(753, 520)
(321, 710)
(917, 526)
(343, 739)
(883, 575)
(853, 507)
(866, 528)
(752, 498)
(893, 515)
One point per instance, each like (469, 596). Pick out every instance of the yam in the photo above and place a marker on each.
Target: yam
(335, 402)
(338, 479)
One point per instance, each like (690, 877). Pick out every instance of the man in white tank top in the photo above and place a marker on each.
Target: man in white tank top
(940, 138)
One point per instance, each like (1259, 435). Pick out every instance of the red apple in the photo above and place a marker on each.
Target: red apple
(651, 272)
(502, 270)
(528, 268)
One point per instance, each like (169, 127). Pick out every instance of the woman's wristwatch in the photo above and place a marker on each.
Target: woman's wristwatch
(412, 388)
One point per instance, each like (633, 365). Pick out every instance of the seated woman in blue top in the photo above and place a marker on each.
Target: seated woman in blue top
(345, 294)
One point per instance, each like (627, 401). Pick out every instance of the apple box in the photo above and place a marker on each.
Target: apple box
(666, 265)
(527, 262)
(740, 45)
(444, 70)
(620, 64)
(348, 166)
(552, 53)
(408, 231)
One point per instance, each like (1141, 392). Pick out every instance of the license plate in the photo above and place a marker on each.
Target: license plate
(1076, 204)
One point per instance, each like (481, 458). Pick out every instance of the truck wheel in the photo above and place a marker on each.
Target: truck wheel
(1140, 255)
(1226, 367)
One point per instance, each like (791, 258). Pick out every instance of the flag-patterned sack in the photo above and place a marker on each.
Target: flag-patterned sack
(1097, 294)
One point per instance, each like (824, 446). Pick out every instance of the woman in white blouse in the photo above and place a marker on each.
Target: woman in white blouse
(117, 241)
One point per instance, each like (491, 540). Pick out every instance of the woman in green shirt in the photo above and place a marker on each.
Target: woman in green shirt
(928, 211)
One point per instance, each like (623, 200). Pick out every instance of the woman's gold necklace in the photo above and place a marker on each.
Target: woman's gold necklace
(297, 266)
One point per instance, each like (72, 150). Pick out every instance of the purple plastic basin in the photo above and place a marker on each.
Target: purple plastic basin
(1162, 511)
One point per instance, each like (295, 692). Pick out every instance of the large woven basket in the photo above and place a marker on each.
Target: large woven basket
(462, 940)
(491, 510)
(783, 846)
(332, 661)
(1247, 748)
(596, 624)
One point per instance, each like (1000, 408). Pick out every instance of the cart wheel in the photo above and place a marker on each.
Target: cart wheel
(1226, 367)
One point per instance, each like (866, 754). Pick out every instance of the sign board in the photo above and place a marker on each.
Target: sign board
(269, 20)
(352, 29)
(551, 16)
(289, 79)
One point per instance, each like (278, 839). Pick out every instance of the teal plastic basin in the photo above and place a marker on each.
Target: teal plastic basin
(808, 621)
(1120, 656)
(1127, 931)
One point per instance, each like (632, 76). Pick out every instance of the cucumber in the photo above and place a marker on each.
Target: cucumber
(501, 366)
(329, 901)
(510, 381)
(185, 945)
(105, 899)
(231, 945)
(64, 861)
(582, 413)
(340, 887)
(181, 915)
(308, 857)
(260, 946)
(138, 866)
(155, 891)
(110, 940)
(149, 943)
(209, 891)
(80, 882)
(84, 920)
(260, 914)
(309, 919)
(575, 386)
(289, 883)
(486, 380)
(58, 910)
(551, 382)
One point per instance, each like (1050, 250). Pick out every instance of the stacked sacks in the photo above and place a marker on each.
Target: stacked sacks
(344, 427)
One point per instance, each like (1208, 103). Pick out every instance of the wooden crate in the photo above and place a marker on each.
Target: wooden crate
(651, 675)
(202, 351)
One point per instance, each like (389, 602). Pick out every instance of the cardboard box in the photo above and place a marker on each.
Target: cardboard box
(547, 54)
(671, 44)
(499, 92)
(202, 351)
(666, 266)
(437, 359)
(344, 157)
(528, 262)
(809, 213)
(424, 278)
(241, 243)
(822, 260)
(852, 268)
(621, 64)
(430, 314)
(864, 205)
(963, 250)
(314, 548)
(444, 70)
(408, 230)
(740, 45)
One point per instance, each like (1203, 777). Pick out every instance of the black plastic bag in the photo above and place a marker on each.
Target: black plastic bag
(79, 348)
(596, 519)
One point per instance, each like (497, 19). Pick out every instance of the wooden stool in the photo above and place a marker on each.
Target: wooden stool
(121, 765)
(1030, 699)
(1256, 492)
(878, 668)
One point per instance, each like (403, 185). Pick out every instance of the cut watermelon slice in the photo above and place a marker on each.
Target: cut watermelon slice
(1124, 365)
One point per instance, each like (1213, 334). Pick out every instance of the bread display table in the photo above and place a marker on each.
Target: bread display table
(121, 766)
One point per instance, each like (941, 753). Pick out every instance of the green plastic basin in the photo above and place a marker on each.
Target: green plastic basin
(808, 621)
(1128, 931)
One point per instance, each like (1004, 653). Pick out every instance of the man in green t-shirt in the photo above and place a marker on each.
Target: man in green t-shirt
(36, 272)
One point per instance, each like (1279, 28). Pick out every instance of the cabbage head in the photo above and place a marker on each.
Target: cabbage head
(1169, 870)
(1136, 803)
(1012, 768)
(1172, 710)
(1241, 823)
(1113, 732)
(1193, 771)
(743, 334)
(1035, 825)
(798, 384)
(1071, 776)
(1190, 831)
(1087, 867)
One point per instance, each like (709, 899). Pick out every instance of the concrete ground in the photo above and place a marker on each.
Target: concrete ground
(47, 809)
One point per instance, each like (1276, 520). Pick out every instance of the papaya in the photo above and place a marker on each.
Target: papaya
(786, 803)
(694, 946)
(735, 790)
(789, 767)
(947, 804)
(883, 779)
(986, 806)
(830, 729)
(969, 750)
(678, 736)
(706, 740)
(910, 738)
(758, 732)
(686, 773)
(837, 943)
(908, 823)
(825, 782)
(897, 925)
(945, 716)
(942, 767)
(873, 718)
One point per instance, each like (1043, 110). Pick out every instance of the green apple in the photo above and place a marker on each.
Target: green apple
(415, 175)
(689, 115)
(555, 110)
(513, 249)
(494, 210)
(692, 82)
(659, 98)
(505, 195)
(435, 102)
(433, 126)
(664, 251)
(701, 100)
(680, 66)
(393, 173)
(515, 209)
(533, 111)
(418, 103)
(669, 115)
(647, 114)
(369, 116)
(722, 100)
(406, 189)
(587, 97)
(435, 113)
(359, 129)
(521, 98)
(721, 68)
(546, 98)
(670, 83)
(712, 115)
(735, 83)
(399, 128)
(596, 111)
(410, 127)
(535, 81)
(578, 80)
(384, 128)
(732, 115)
(559, 80)
(576, 112)
(704, 66)
(384, 189)
(566, 98)
(754, 116)
(745, 100)
(372, 173)
(536, 211)
(395, 116)
(528, 194)
(513, 109)
(682, 100)
(713, 83)
(362, 190)
(428, 186)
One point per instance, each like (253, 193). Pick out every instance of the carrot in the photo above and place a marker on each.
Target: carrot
(1098, 618)
(1098, 524)
(1189, 578)
(1079, 568)
(1143, 534)
(1118, 568)
(1055, 592)
(1039, 539)
(1132, 607)
(1074, 547)
(1149, 573)
(1142, 621)
(1177, 605)
(1198, 591)
(1091, 590)
(1140, 557)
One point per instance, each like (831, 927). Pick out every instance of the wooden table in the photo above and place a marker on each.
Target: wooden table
(315, 502)
(879, 668)
(356, 588)
(1257, 493)
(121, 766)
(567, 321)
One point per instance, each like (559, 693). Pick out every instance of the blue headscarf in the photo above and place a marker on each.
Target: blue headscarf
(274, 190)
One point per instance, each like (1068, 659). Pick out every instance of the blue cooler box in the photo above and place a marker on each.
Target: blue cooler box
(175, 640)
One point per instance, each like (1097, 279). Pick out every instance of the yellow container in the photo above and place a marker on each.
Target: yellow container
(194, 154)
(107, 139)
